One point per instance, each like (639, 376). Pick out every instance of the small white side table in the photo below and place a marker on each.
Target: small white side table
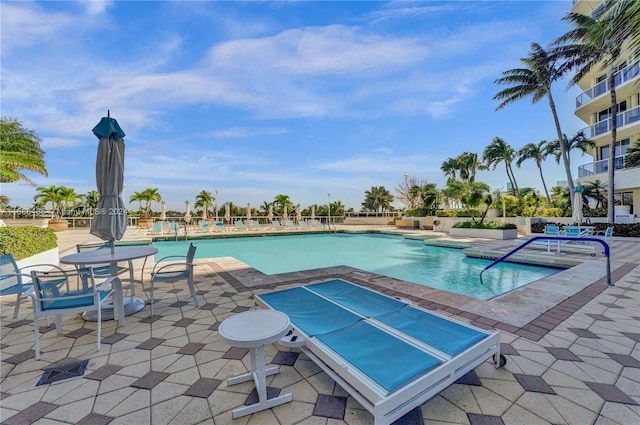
(254, 329)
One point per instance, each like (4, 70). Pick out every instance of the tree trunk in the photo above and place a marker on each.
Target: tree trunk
(563, 150)
(544, 184)
(612, 149)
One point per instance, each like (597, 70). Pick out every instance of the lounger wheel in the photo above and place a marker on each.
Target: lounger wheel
(503, 360)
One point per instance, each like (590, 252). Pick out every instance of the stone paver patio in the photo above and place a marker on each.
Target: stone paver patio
(572, 344)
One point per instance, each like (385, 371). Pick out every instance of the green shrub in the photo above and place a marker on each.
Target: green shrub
(23, 242)
(458, 213)
(493, 225)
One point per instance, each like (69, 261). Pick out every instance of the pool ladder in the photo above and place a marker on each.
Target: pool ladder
(556, 238)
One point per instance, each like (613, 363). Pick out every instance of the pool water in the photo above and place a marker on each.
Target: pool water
(406, 259)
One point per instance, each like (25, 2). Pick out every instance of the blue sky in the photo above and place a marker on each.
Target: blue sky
(265, 98)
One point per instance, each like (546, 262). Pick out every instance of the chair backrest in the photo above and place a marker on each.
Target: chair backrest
(157, 227)
(551, 229)
(8, 283)
(240, 224)
(203, 225)
(91, 246)
(571, 230)
(173, 226)
(69, 290)
(191, 253)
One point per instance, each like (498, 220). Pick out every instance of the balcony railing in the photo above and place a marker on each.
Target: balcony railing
(602, 166)
(603, 87)
(601, 127)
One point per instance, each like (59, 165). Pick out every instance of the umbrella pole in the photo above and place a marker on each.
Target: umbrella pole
(112, 245)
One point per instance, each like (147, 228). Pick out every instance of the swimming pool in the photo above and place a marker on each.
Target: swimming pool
(406, 259)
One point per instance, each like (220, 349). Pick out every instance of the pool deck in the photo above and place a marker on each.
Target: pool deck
(572, 344)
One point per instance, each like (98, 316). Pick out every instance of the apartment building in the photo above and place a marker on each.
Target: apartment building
(593, 106)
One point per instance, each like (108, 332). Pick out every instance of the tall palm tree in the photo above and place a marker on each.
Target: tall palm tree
(468, 164)
(429, 196)
(377, 199)
(535, 80)
(538, 152)
(500, 151)
(597, 43)
(577, 142)
(450, 167)
(21, 150)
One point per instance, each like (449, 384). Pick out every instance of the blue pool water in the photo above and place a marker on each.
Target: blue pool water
(406, 259)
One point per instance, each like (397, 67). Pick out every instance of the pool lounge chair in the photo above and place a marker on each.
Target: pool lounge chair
(241, 226)
(156, 228)
(220, 226)
(389, 355)
(204, 226)
(291, 225)
(276, 225)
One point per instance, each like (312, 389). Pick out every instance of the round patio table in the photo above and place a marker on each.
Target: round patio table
(122, 306)
(253, 330)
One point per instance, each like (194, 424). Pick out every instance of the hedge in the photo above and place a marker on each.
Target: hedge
(26, 241)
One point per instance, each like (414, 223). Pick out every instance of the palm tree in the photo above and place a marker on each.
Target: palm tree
(147, 196)
(535, 80)
(204, 199)
(429, 196)
(450, 167)
(595, 190)
(49, 194)
(633, 155)
(471, 195)
(597, 43)
(468, 164)
(578, 141)
(90, 200)
(377, 199)
(68, 198)
(500, 151)
(21, 150)
(280, 202)
(537, 152)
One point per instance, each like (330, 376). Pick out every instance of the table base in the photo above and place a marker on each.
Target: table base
(131, 306)
(258, 374)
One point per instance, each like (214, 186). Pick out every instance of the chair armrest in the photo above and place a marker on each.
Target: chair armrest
(30, 292)
(25, 275)
(154, 272)
(53, 266)
(164, 258)
(103, 285)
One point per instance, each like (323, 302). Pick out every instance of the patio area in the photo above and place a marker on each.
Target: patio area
(573, 360)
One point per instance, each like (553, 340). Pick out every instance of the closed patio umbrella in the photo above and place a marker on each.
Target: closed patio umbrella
(110, 220)
(248, 211)
(227, 213)
(313, 212)
(299, 214)
(163, 212)
(187, 214)
(576, 214)
(270, 214)
(285, 216)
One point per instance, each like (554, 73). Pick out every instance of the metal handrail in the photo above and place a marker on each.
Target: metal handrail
(556, 238)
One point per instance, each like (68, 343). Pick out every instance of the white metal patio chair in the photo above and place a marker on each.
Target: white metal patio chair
(175, 270)
(61, 292)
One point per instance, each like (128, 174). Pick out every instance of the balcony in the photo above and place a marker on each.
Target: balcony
(602, 166)
(624, 118)
(621, 77)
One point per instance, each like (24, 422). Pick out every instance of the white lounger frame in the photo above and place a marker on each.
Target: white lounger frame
(385, 406)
